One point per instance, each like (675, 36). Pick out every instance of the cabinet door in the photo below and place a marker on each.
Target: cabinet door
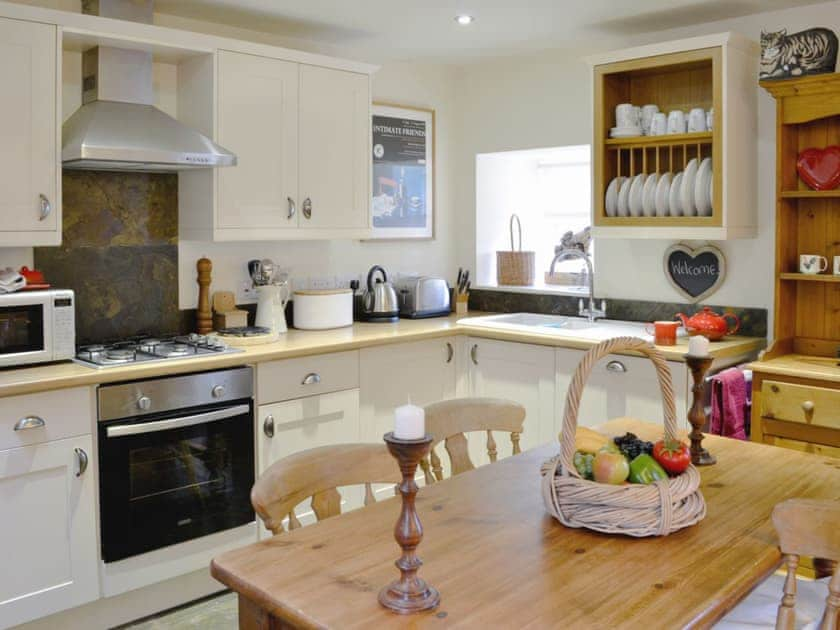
(258, 121)
(423, 371)
(334, 148)
(619, 386)
(519, 372)
(297, 425)
(28, 128)
(48, 529)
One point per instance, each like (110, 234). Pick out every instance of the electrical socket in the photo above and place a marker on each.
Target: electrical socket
(247, 294)
(323, 282)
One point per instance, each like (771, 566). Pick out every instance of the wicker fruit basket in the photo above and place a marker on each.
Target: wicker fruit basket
(515, 268)
(656, 509)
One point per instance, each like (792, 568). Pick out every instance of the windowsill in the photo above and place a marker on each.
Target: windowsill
(541, 287)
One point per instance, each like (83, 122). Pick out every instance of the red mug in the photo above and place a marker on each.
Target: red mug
(664, 332)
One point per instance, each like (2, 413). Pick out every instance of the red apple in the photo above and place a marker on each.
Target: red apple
(610, 468)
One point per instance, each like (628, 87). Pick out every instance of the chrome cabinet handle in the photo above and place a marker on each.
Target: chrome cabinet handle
(616, 367)
(450, 352)
(268, 426)
(30, 422)
(83, 460)
(311, 379)
(292, 208)
(307, 208)
(474, 353)
(46, 207)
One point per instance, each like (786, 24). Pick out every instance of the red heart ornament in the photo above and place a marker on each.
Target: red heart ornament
(820, 168)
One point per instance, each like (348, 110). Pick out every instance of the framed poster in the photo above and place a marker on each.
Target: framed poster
(403, 203)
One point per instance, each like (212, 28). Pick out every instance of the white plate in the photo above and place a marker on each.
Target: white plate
(623, 207)
(663, 187)
(635, 199)
(674, 202)
(611, 198)
(649, 195)
(687, 190)
(702, 190)
(712, 192)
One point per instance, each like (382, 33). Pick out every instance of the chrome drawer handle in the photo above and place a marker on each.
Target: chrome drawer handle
(450, 352)
(616, 367)
(83, 459)
(46, 207)
(307, 208)
(268, 426)
(292, 208)
(474, 354)
(311, 379)
(30, 422)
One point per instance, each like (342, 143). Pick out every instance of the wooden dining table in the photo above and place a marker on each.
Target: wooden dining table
(500, 561)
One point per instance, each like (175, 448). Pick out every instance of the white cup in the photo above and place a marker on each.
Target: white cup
(676, 121)
(648, 112)
(658, 124)
(696, 120)
(812, 264)
(837, 265)
(626, 115)
(710, 119)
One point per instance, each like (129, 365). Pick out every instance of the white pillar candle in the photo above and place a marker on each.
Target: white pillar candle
(409, 422)
(698, 346)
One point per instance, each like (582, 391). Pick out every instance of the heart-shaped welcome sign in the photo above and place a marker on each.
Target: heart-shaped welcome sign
(820, 168)
(695, 273)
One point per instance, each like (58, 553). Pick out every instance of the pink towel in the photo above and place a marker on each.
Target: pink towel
(728, 403)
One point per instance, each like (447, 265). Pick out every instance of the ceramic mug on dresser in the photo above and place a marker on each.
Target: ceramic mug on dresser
(812, 263)
(658, 124)
(664, 332)
(626, 115)
(697, 120)
(710, 119)
(648, 111)
(837, 265)
(676, 121)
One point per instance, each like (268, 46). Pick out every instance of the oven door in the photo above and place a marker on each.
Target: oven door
(172, 477)
(25, 329)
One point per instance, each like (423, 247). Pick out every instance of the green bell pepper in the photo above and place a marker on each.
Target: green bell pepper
(645, 469)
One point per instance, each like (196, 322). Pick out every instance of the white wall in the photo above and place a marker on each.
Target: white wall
(546, 100)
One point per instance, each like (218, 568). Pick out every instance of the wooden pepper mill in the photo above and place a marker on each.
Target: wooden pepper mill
(203, 315)
(410, 593)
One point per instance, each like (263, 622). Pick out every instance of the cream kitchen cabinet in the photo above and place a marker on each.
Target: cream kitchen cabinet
(48, 529)
(519, 372)
(30, 176)
(301, 134)
(618, 386)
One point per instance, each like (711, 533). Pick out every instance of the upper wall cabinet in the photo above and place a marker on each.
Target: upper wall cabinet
(30, 202)
(301, 135)
(692, 183)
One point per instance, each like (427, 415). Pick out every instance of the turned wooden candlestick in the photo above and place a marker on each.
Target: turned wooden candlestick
(699, 365)
(203, 315)
(408, 594)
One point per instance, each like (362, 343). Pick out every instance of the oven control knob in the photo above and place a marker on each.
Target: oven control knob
(144, 403)
(218, 391)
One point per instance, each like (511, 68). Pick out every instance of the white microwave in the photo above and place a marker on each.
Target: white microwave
(37, 327)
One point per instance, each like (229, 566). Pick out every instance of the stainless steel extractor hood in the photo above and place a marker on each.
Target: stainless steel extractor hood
(117, 127)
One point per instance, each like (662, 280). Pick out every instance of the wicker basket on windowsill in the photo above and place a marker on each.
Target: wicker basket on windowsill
(656, 509)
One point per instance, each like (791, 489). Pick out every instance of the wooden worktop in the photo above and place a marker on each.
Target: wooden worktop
(800, 366)
(297, 343)
(500, 561)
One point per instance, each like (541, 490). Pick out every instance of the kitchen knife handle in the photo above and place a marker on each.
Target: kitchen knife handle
(46, 207)
(292, 208)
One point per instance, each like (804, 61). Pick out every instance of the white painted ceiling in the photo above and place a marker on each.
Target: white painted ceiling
(418, 29)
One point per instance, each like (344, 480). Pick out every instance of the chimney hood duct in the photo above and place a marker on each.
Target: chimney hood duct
(117, 127)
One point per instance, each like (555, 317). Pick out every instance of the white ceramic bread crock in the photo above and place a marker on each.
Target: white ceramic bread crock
(321, 309)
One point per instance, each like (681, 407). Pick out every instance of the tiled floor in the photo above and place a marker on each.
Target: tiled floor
(213, 613)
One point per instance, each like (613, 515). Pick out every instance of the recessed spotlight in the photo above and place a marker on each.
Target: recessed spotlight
(464, 20)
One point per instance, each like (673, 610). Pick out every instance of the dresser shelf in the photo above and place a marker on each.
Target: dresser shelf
(675, 140)
(810, 194)
(804, 277)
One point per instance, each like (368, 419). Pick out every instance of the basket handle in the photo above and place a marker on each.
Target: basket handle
(518, 223)
(584, 368)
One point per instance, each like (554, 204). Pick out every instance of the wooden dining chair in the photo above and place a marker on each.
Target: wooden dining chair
(318, 473)
(448, 420)
(808, 527)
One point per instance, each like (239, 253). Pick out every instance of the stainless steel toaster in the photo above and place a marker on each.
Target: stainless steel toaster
(422, 296)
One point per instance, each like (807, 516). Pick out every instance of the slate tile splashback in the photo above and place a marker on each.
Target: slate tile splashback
(119, 253)
(753, 320)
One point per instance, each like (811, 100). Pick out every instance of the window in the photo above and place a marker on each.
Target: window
(550, 191)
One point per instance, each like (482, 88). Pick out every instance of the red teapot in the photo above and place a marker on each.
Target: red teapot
(710, 324)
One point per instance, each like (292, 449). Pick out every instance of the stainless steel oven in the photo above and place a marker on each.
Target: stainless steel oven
(176, 459)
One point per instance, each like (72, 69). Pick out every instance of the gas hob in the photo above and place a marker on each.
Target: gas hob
(149, 350)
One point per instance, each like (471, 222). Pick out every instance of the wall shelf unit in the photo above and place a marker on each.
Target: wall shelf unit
(716, 71)
(804, 277)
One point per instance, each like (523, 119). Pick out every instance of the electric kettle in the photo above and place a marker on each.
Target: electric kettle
(379, 301)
